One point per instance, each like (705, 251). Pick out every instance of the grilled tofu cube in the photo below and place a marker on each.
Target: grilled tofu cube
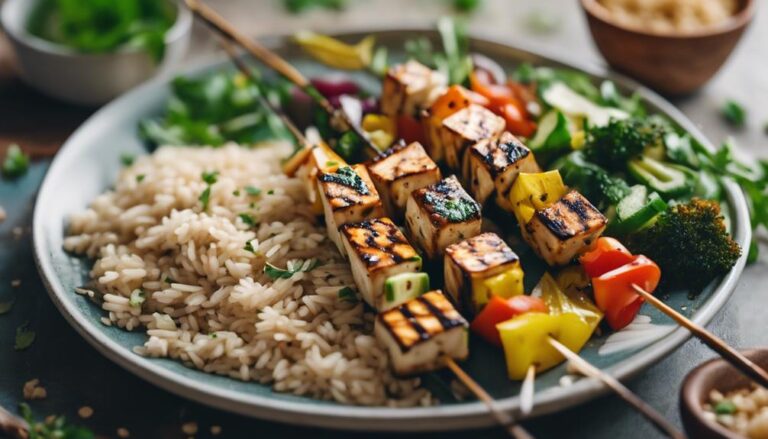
(399, 171)
(377, 250)
(439, 215)
(465, 128)
(348, 196)
(307, 164)
(565, 229)
(478, 267)
(410, 87)
(492, 165)
(421, 332)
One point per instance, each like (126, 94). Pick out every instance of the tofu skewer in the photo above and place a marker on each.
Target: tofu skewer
(438, 307)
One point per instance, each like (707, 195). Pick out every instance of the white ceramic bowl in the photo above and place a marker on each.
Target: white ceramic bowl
(81, 78)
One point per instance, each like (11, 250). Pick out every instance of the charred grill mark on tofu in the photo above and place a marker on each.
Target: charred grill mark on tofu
(474, 123)
(413, 160)
(447, 202)
(481, 253)
(420, 319)
(378, 243)
(570, 216)
(348, 187)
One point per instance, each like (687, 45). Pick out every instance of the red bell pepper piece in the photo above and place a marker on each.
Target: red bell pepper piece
(607, 254)
(503, 100)
(614, 294)
(499, 310)
(410, 129)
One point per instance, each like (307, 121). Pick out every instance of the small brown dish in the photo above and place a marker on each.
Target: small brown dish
(671, 63)
(716, 374)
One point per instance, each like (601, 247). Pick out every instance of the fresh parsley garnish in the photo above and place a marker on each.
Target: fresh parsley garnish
(247, 219)
(249, 247)
(346, 176)
(140, 178)
(252, 191)
(279, 273)
(137, 298)
(236, 192)
(168, 280)
(16, 163)
(210, 178)
(5, 307)
(127, 159)
(453, 209)
(347, 294)
(271, 192)
(54, 427)
(24, 337)
(205, 197)
(734, 113)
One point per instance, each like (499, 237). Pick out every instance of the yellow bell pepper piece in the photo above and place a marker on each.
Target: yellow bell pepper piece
(380, 129)
(578, 139)
(526, 340)
(567, 295)
(535, 191)
(335, 53)
(505, 285)
(322, 159)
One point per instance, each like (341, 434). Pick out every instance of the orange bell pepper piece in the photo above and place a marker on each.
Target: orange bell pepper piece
(614, 294)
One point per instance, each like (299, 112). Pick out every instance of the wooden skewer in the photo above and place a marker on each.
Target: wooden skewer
(588, 369)
(503, 418)
(527, 391)
(744, 364)
(278, 64)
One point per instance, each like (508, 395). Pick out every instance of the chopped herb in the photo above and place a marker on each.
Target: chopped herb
(140, 178)
(213, 335)
(54, 427)
(252, 191)
(127, 159)
(249, 247)
(279, 273)
(247, 219)
(252, 205)
(346, 176)
(734, 113)
(271, 192)
(725, 407)
(137, 298)
(168, 280)
(347, 294)
(205, 197)
(331, 163)
(299, 6)
(16, 162)
(5, 307)
(236, 192)
(24, 337)
(466, 5)
(454, 210)
(210, 177)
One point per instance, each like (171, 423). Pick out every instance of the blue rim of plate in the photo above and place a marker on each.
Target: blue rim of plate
(442, 417)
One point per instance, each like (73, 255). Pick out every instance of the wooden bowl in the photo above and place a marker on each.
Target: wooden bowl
(671, 63)
(715, 374)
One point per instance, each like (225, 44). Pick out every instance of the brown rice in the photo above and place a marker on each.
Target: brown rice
(183, 275)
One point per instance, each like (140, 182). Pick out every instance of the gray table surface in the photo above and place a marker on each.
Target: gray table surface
(74, 374)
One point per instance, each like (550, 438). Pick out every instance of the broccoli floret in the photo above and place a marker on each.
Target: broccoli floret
(612, 145)
(690, 243)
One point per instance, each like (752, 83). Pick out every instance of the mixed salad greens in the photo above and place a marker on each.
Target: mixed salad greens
(97, 26)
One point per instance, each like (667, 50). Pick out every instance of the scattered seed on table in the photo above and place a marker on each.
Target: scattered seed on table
(16, 283)
(215, 430)
(189, 428)
(2, 214)
(123, 433)
(85, 412)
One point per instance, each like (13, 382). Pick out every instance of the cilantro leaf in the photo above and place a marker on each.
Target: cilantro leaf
(734, 113)
(205, 197)
(24, 337)
(347, 294)
(210, 177)
(127, 159)
(5, 307)
(247, 219)
(252, 191)
(279, 273)
(16, 163)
